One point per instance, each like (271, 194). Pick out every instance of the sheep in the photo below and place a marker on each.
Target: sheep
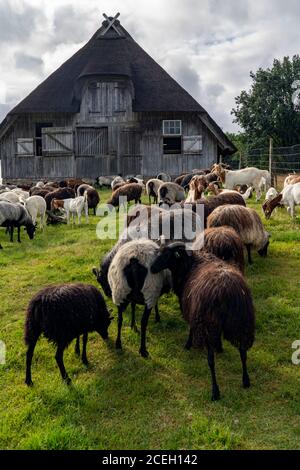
(36, 206)
(246, 222)
(290, 197)
(39, 192)
(61, 193)
(152, 188)
(15, 215)
(169, 193)
(215, 300)
(130, 280)
(20, 193)
(180, 178)
(251, 176)
(93, 197)
(62, 313)
(74, 183)
(211, 203)
(291, 179)
(132, 192)
(225, 244)
(10, 197)
(197, 187)
(116, 181)
(104, 181)
(73, 207)
(164, 177)
(213, 187)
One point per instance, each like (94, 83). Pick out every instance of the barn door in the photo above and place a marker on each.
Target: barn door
(25, 147)
(57, 140)
(131, 158)
(92, 142)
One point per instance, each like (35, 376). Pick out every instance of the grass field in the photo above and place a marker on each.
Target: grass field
(123, 401)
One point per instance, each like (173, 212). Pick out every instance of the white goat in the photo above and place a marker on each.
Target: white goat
(73, 207)
(250, 176)
(289, 197)
(36, 206)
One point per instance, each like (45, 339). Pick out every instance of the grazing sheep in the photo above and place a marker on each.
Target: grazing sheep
(132, 192)
(152, 188)
(40, 192)
(117, 180)
(290, 197)
(62, 313)
(93, 197)
(169, 193)
(74, 183)
(213, 187)
(215, 301)
(211, 203)
(180, 178)
(10, 197)
(224, 243)
(21, 193)
(36, 207)
(130, 280)
(246, 222)
(73, 207)
(15, 215)
(61, 193)
(104, 181)
(164, 177)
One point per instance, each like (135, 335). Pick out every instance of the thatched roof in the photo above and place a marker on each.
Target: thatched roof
(113, 54)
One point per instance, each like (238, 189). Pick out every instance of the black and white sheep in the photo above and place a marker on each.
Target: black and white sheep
(164, 177)
(215, 302)
(247, 223)
(152, 188)
(170, 193)
(131, 280)
(62, 313)
(16, 216)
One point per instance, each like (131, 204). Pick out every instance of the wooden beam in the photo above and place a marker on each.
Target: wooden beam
(111, 24)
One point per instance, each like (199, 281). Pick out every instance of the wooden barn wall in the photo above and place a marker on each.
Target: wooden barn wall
(32, 167)
(152, 145)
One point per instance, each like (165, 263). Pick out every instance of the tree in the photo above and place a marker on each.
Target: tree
(271, 107)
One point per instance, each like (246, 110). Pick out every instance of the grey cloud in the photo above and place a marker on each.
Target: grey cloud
(73, 25)
(28, 62)
(18, 26)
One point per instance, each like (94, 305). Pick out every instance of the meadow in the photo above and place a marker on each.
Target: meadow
(122, 401)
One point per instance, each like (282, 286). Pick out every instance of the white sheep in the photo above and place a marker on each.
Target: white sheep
(169, 193)
(36, 206)
(152, 188)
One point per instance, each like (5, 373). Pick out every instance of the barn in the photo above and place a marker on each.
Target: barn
(109, 109)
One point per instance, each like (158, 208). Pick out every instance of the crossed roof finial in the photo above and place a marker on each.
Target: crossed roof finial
(111, 24)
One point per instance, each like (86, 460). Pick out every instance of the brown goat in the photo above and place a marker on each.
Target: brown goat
(61, 193)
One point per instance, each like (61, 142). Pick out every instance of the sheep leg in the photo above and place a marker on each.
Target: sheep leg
(211, 363)
(59, 356)
(11, 233)
(84, 356)
(19, 234)
(144, 323)
(121, 309)
(189, 342)
(133, 323)
(249, 254)
(29, 355)
(77, 346)
(246, 379)
(157, 315)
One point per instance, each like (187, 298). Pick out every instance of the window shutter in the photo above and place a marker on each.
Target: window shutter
(192, 144)
(25, 147)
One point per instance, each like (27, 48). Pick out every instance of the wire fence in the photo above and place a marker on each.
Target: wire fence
(281, 160)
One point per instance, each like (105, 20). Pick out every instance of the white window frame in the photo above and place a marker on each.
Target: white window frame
(167, 123)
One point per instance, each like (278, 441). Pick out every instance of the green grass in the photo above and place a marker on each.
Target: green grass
(125, 402)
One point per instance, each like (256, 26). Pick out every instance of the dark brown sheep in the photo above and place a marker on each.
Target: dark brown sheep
(93, 197)
(131, 191)
(40, 192)
(215, 301)
(213, 202)
(62, 313)
(225, 244)
(61, 193)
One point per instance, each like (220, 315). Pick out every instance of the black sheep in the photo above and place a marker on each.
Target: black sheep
(215, 302)
(62, 313)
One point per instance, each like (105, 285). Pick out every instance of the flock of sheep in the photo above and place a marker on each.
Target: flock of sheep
(207, 274)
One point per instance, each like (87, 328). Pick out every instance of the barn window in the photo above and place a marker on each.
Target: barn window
(172, 140)
(38, 137)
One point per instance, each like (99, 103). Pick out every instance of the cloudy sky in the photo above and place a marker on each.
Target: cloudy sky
(209, 46)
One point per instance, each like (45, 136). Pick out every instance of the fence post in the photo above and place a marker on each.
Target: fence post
(240, 160)
(270, 159)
